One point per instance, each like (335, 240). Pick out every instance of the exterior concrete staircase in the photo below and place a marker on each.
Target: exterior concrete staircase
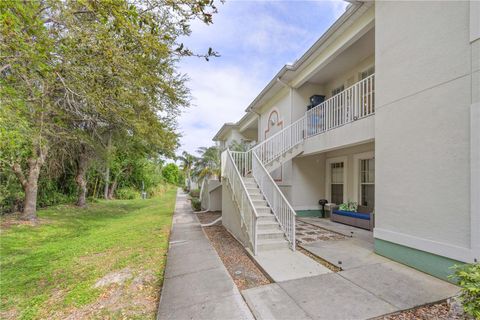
(270, 236)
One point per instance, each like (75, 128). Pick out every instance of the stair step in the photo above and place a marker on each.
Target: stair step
(263, 210)
(270, 234)
(259, 203)
(257, 197)
(272, 244)
(267, 218)
(268, 225)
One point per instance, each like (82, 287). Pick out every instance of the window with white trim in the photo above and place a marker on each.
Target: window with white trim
(337, 90)
(336, 182)
(367, 183)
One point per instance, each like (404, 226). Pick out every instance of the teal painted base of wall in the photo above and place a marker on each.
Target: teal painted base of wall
(309, 213)
(430, 263)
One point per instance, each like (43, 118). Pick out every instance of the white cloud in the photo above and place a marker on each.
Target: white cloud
(220, 95)
(255, 39)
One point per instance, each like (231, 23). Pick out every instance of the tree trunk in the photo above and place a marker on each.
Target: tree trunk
(80, 178)
(107, 168)
(111, 190)
(31, 192)
(30, 183)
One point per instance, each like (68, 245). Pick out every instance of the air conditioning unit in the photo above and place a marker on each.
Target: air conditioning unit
(315, 100)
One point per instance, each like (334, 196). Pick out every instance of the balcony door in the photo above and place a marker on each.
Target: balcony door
(336, 180)
(367, 91)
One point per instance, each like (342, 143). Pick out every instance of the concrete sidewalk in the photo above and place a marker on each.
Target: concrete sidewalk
(196, 285)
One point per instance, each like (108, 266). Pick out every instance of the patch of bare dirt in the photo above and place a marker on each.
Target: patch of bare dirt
(126, 295)
(437, 311)
(242, 269)
(13, 219)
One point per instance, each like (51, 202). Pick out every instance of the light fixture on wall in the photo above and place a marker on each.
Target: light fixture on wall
(272, 122)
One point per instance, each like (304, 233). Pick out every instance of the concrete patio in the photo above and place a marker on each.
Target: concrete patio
(369, 285)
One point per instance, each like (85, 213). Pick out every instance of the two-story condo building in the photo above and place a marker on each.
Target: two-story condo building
(383, 110)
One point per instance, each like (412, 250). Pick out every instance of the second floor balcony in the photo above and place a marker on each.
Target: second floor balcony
(354, 103)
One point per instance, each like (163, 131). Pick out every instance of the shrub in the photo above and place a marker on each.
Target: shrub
(157, 191)
(468, 277)
(171, 173)
(349, 206)
(127, 193)
(196, 204)
(195, 193)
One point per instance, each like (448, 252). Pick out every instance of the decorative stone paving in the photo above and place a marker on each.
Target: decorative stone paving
(308, 233)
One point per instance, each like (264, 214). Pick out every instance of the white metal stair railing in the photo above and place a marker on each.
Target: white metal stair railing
(353, 103)
(248, 213)
(281, 142)
(279, 205)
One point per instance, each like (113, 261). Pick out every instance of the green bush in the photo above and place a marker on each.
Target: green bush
(468, 277)
(349, 206)
(171, 173)
(157, 190)
(195, 193)
(196, 204)
(127, 193)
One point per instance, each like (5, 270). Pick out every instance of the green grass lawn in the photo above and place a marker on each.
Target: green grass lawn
(50, 270)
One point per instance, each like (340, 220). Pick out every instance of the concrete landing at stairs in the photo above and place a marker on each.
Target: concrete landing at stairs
(285, 264)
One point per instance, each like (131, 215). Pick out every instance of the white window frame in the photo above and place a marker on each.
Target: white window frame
(328, 176)
(370, 67)
(356, 172)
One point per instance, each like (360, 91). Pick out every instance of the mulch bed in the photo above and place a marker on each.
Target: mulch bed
(208, 217)
(437, 311)
(242, 269)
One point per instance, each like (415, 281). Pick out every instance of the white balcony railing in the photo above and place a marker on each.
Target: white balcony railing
(355, 102)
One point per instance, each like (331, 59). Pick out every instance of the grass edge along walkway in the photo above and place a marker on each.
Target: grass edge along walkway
(53, 270)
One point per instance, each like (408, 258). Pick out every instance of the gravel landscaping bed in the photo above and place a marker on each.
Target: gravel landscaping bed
(437, 311)
(242, 269)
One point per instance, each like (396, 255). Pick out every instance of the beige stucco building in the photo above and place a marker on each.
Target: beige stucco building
(383, 110)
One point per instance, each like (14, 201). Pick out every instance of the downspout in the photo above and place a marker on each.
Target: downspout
(291, 97)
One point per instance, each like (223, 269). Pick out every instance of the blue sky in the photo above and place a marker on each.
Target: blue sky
(255, 39)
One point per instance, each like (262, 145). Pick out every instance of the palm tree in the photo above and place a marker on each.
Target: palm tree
(208, 164)
(187, 163)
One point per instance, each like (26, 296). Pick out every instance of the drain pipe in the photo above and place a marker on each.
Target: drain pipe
(212, 223)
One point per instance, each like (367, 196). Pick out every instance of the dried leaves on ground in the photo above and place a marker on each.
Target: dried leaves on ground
(437, 311)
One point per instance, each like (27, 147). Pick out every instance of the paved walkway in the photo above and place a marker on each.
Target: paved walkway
(285, 264)
(369, 285)
(196, 285)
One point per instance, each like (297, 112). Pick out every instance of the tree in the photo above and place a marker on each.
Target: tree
(171, 173)
(187, 163)
(208, 164)
(78, 74)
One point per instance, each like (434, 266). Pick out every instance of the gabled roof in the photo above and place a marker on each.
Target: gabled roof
(288, 71)
(224, 130)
